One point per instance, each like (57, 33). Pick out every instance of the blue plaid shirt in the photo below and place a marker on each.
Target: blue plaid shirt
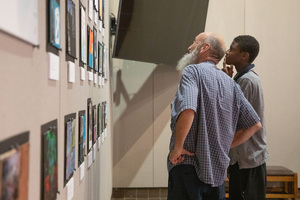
(220, 109)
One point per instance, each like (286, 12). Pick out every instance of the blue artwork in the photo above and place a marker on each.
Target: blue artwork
(54, 23)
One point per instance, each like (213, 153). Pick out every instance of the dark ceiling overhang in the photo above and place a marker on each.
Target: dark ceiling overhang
(158, 31)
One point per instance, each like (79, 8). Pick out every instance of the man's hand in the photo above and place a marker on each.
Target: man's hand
(226, 69)
(176, 155)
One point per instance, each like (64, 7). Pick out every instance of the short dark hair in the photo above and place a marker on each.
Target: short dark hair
(248, 44)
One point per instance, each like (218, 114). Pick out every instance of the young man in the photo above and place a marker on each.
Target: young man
(207, 110)
(247, 168)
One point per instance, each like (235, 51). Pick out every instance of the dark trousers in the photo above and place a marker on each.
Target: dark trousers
(184, 184)
(247, 184)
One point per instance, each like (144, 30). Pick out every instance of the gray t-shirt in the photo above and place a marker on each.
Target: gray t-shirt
(253, 152)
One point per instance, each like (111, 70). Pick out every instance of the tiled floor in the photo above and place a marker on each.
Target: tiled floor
(139, 194)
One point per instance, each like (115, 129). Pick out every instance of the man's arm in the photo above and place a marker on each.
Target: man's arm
(242, 136)
(182, 127)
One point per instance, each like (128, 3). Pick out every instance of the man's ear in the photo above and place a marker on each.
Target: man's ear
(205, 47)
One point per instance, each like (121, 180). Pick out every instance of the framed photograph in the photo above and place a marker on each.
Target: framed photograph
(49, 161)
(100, 58)
(99, 117)
(82, 35)
(95, 47)
(95, 134)
(71, 29)
(89, 125)
(54, 23)
(90, 46)
(81, 137)
(70, 128)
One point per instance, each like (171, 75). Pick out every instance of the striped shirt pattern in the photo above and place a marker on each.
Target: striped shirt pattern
(220, 109)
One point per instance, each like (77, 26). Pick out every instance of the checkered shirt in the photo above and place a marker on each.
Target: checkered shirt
(220, 109)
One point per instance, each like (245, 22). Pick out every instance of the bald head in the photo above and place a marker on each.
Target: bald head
(216, 43)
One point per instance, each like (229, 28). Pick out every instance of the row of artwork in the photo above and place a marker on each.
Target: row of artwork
(14, 152)
(92, 51)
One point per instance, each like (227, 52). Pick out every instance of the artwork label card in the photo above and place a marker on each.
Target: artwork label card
(90, 75)
(53, 66)
(71, 72)
(91, 9)
(82, 73)
(95, 78)
(70, 189)
(81, 171)
(90, 159)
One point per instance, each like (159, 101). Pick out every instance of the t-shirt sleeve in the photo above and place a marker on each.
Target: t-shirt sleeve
(187, 93)
(247, 116)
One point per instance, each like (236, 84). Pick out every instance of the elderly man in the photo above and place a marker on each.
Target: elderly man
(209, 115)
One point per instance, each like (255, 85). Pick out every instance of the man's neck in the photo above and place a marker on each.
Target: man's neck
(239, 68)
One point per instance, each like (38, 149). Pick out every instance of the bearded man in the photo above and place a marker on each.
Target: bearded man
(209, 115)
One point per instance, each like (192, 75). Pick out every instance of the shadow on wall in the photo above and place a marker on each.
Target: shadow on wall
(153, 97)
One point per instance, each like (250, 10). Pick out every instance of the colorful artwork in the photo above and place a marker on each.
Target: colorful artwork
(49, 166)
(100, 58)
(90, 126)
(83, 35)
(70, 149)
(71, 29)
(91, 50)
(99, 119)
(54, 30)
(10, 171)
(82, 128)
(95, 50)
(95, 135)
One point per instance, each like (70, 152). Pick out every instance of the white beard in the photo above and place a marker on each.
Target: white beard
(187, 59)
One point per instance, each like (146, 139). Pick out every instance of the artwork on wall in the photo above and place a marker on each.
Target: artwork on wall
(95, 134)
(82, 35)
(49, 161)
(54, 23)
(104, 62)
(10, 174)
(100, 58)
(20, 18)
(14, 167)
(70, 128)
(103, 12)
(95, 50)
(81, 136)
(71, 29)
(99, 117)
(89, 125)
(90, 46)
(100, 9)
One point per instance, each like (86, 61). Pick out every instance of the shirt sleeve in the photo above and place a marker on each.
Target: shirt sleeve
(247, 116)
(187, 93)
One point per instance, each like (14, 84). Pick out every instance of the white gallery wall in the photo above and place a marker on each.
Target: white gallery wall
(143, 91)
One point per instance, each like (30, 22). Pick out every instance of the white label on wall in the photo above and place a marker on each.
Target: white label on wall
(91, 9)
(95, 150)
(71, 72)
(81, 168)
(90, 76)
(82, 74)
(53, 66)
(70, 189)
(96, 17)
(95, 78)
(90, 159)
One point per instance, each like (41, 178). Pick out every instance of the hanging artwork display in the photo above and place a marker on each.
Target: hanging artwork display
(95, 50)
(95, 134)
(81, 136)
(100, 58)
(100, 10)
(104, 62)
(90, 46)
(82, 35)
(103, 12)
(71, 29)
(54, 23)
(49, 161)
(99, 117)
(89, 125)
(70, 127)
(20, 18)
